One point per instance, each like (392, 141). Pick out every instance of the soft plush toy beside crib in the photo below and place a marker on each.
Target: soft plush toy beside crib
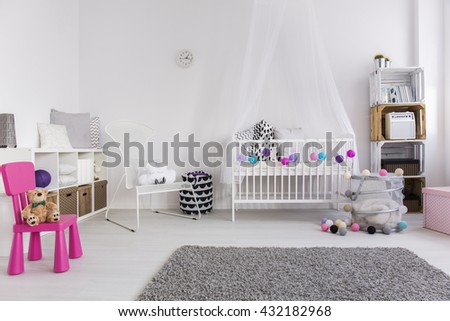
(377, 201)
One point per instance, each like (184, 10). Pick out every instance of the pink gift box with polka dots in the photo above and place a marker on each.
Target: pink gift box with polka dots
(436, 208)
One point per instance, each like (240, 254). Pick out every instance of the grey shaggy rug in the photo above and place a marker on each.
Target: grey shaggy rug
(197, 273)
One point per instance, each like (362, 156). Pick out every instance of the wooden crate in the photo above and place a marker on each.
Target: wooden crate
(413, 194)
(68, 200)
(100, 195)
(377, 119)
(383, 80)
(84, 199)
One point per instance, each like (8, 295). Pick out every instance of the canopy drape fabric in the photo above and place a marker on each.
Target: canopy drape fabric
(286, 78)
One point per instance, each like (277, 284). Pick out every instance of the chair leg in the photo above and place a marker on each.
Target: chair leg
(16, 262)
(191, 217)
(75, 249)
(196, 204)
(114, 197)
(34, 247)
(109, 206)
(61, 259)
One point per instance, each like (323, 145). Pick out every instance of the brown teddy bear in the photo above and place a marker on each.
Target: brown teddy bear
(39, 210)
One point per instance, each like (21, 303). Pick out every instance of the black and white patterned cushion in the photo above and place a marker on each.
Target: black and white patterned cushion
(264, 131)
(203, 189)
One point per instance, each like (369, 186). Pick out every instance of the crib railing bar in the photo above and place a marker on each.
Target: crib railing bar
(303, 181)
(318, 181)
(282, 179)
(260, 180)
(332, 187)
(254, 178)
(268, 183)
(323, 183)
(246, 183)
(239, 180)
(296, 171)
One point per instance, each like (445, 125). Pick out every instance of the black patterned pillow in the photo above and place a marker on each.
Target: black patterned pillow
(267, 151)
(264, 131)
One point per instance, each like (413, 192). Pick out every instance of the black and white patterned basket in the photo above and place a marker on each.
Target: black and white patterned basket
(203, 189)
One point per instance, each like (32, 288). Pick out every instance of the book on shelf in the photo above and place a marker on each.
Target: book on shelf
(400, 94)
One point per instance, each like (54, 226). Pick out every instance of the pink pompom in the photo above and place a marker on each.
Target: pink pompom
(351, 153)
(383, 172)
(314, 156)
(284, 161)
(355, 227)
(325, 227)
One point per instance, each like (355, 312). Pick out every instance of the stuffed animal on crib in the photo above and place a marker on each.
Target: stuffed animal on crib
(150, 175)
(39, 210)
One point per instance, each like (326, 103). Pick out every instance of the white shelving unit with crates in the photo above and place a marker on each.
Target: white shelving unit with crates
(399, 90)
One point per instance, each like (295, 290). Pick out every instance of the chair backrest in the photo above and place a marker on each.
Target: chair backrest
(138, 132)
(18, 179)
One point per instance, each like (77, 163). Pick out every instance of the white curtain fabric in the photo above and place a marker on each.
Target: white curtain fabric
(286, 79)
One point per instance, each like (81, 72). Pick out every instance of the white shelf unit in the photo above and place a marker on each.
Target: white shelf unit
(51, 160)
(408, 86)
(399, 90)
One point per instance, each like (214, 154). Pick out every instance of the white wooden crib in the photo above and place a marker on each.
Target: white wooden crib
(301, 181)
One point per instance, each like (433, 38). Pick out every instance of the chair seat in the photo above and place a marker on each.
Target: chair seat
(163, 188)
(66, 220)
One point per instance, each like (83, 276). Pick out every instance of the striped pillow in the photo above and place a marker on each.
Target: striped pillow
(95, 132)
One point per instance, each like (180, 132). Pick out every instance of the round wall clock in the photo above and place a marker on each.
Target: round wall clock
(184, 58)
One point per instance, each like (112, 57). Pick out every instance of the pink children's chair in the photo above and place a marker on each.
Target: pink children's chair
(19, 178)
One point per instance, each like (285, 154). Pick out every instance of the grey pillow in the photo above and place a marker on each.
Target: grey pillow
(78, 127)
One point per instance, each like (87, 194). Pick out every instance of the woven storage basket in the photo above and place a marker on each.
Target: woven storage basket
(203, 189)
(84, 199)
(100, 194)
(68, 200)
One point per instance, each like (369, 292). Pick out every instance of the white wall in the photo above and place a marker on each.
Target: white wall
(128, 70)
(38, 62)
(123, 65)
(447, 85)
(127, 67)
(353, 32)
(430, 49)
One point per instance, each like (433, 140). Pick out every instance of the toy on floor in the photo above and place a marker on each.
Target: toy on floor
(377, 201)
(336, 227)
(355, 227)
(39, 210)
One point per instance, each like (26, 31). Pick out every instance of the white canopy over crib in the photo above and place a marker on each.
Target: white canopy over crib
(286, 78)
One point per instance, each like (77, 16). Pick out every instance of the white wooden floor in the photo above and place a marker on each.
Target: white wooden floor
(117, 263)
